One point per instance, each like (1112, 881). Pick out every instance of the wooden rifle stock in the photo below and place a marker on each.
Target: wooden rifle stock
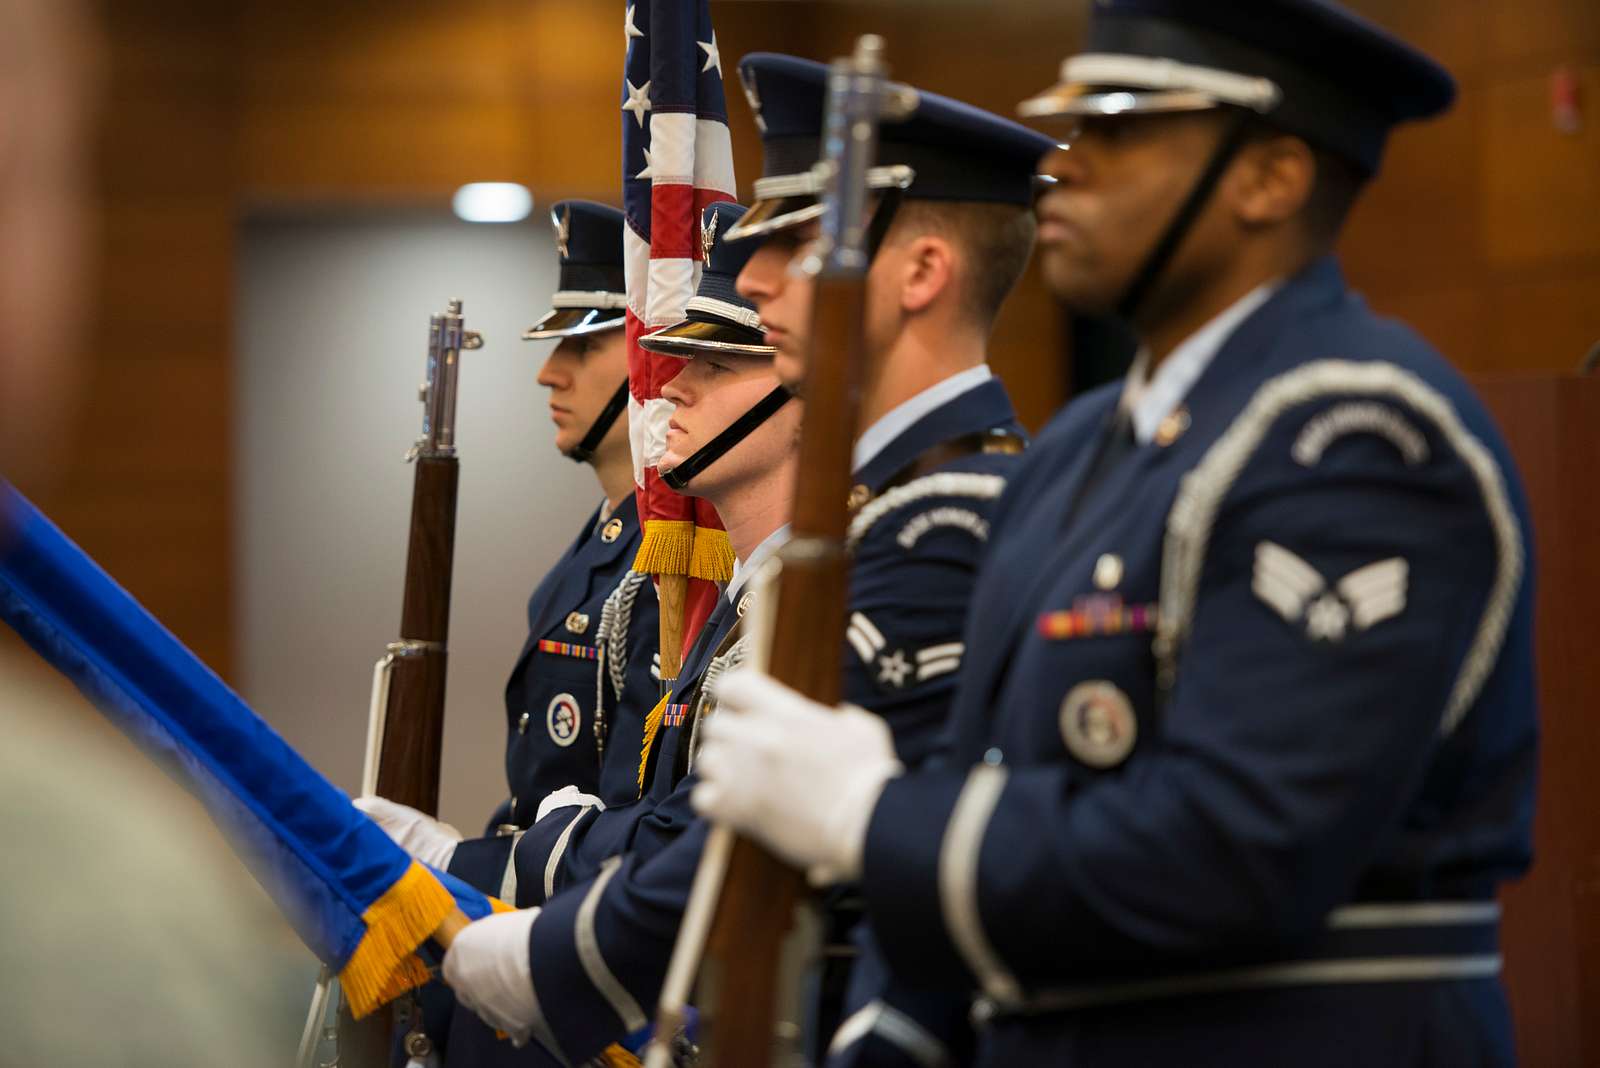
(410, 682)
(759, 892)
(744, 901)
(413, 734)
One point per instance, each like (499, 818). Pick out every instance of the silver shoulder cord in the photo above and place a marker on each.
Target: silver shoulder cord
(611, 639)
(446, 340)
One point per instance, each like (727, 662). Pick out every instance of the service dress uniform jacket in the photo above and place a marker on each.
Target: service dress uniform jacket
(601, 945)
(592, 636)
(1246, 738)
(566, 724)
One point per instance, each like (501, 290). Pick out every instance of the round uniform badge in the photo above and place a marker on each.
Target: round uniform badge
(611, 531)
(1098, 725)
(562, 719)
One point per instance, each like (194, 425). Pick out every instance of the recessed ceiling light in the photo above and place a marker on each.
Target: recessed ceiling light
(492, 202)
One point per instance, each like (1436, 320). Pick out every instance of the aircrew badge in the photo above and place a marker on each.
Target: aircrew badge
(1098, 726)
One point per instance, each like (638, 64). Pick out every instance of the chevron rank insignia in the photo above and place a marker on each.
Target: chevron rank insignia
(1298, 592)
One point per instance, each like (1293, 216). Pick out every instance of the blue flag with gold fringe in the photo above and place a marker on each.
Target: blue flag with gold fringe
(357, 900)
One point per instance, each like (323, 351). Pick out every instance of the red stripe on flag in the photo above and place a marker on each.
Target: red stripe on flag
(674, 224)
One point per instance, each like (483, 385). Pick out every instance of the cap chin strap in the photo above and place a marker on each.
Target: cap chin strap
(584, 450)
(678, 478)
(1232, 140)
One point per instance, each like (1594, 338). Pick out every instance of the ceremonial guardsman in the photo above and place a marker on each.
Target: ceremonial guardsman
(591, 621)
(941, 440)
(1245, 742)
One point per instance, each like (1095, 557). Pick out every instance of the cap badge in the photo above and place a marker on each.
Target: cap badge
(748, 80)
(1098, 726)
(708, 238)
(611, 531)
(563, 232)
(577, 622)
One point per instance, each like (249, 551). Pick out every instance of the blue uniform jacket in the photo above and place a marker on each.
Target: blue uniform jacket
(598, 622)
(599, 950)
(1246, 739)
(566, 723)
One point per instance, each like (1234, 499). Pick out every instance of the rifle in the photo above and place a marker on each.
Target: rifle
(744, 900)
(405, 723)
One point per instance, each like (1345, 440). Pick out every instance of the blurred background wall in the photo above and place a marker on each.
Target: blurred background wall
(331, 332)
(259, 160)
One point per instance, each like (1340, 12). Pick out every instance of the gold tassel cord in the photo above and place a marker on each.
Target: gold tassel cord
(667, 547)
(713, 555)
(652, 726)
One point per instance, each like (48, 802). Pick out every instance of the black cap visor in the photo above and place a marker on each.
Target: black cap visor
(695, 337)
(570, 322)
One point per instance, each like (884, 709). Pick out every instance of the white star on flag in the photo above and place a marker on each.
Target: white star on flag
(629, 29)
(638, 100)
(648, 163)
(713, 57)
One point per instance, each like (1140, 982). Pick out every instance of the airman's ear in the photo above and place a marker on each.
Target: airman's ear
(929, 270)
(1272, 181)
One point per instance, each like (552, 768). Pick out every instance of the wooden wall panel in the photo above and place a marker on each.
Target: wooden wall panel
(1540, 184)
(1545, 323)
(1543, 32)
(1552, 922)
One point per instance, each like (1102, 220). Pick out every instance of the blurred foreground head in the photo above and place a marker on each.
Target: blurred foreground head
(48, 79)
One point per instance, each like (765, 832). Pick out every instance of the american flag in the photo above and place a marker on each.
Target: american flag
(676, 159)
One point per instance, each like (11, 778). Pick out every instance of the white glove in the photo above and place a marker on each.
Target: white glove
(799, 776)
(488, 967)
(419, 834)
(566, 797)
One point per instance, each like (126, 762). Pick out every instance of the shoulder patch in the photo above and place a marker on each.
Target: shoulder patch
(971, 485)
(1296, 591)
(1387, 386)
(1359, 417)
(946, 516)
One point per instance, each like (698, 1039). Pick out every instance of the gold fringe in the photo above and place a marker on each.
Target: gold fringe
(666, 548)
(614, 1056)
(713, 555)
(384, 964)
(652, 725)
(496, 905)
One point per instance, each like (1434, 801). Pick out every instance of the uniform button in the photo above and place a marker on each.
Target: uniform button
(1108, 571)
(512, 814)
(522, 724)
(859, 495)
(994, 758)
(1172, 427)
